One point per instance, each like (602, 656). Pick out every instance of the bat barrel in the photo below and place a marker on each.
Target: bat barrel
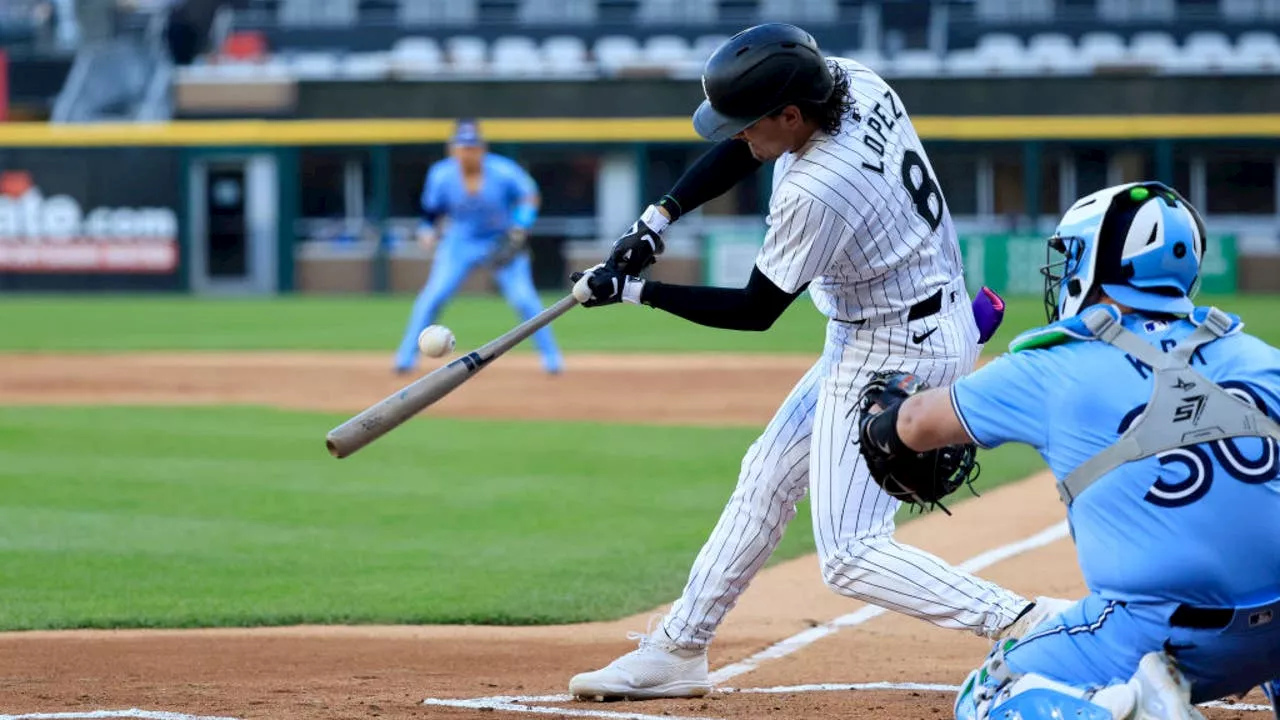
(377, 420)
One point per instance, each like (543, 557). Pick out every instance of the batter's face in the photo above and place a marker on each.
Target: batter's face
(770, 137)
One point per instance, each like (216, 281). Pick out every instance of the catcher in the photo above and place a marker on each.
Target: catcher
(1170, 475)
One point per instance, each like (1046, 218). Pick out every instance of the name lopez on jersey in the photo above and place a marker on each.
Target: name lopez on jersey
(877, 124)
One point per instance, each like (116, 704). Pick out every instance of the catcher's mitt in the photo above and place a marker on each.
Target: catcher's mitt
(918, 479)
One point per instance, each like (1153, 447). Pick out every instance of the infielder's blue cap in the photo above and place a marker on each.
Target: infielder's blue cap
(467, 134)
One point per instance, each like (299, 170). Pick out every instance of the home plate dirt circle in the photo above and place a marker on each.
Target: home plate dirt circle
(790, 649)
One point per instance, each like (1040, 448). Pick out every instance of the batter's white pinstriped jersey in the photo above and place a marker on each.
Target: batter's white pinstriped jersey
(859, 214)
(860, 218)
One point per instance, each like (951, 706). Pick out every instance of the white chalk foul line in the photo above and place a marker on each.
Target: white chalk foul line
(95, 714)
(554, 710)
(829, 687)
(930, 687)
(808, 637)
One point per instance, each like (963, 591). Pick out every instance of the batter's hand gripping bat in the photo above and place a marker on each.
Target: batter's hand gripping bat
(377, 420)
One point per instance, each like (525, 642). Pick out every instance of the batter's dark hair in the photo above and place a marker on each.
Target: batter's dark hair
(830, 115)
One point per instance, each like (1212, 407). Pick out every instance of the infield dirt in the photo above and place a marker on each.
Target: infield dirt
(365, 672)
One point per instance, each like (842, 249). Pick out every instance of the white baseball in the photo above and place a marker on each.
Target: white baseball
(436, 340)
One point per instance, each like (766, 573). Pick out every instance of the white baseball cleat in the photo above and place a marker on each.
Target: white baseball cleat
(1163, 691)
(656, 669)
(1039, 611)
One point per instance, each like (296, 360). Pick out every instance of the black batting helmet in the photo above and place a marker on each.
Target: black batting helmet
(756, 72)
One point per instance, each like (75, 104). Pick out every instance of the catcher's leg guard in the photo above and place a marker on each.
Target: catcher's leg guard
(1272, 690)
(1155, 692)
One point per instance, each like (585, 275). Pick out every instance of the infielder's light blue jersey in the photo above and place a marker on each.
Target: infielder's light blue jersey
(488, 213)
(1199, 524)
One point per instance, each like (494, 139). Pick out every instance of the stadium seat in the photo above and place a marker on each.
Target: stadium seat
(1258, 50)
(365, 66)
(430, 12)
(317, 12)
(244, 45)
(667, 50)
(1152, 48)
(314, 66)
(1137, 10)
(466, 53)
(516, 56)
(1054, 53)
(614, 52)
(1249, 10)
(557, 11)
(1000, 53)
(914, 63)
(1102, 49)
(565, 55)
(416, 57)
(705, 45)
(1014, 10)
(799, 11)
(1202, 52)
(871, 58)
(995, 43)
(668, 12)
(965, 63)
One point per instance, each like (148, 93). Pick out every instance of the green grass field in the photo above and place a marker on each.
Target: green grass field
(161, 517)
(39, 323)
(164, 517)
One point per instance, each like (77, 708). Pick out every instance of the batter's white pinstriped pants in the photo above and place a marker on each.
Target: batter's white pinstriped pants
(809, 446)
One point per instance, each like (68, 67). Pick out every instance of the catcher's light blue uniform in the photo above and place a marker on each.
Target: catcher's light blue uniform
(1158, 421)
(1197, 527)
(476, 228)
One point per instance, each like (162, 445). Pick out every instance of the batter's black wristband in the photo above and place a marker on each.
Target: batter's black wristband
(672, 206)
(882, 431)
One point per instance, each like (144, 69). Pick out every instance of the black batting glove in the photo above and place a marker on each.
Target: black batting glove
(636, 250)
(606, 283)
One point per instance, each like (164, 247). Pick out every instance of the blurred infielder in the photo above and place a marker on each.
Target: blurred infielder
(857, 217)
(490, 203)
(1158, 420)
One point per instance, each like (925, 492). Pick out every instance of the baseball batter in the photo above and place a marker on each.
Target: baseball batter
(1171, 476)
(857, 217)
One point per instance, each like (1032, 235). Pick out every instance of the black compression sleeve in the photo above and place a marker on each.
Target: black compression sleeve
(710, 176)
(754, 307)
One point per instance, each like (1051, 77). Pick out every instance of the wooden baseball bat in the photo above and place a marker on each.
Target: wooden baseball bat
(377, 420)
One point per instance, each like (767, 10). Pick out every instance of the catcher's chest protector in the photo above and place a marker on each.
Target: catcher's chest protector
(1186, 408)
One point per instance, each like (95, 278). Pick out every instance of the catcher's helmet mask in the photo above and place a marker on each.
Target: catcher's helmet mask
(1141, 243)
(756, 73)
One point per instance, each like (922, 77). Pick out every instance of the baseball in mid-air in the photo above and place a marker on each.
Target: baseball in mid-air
(436, 340)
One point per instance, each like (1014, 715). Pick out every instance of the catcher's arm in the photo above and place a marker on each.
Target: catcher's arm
(928, 420)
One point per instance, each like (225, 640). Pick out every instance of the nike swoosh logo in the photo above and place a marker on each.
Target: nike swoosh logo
(918, 338)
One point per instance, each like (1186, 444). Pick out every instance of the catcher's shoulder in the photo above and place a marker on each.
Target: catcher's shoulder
(1062, 332)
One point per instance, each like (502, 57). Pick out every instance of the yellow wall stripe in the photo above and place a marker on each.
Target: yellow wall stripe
(365, 132)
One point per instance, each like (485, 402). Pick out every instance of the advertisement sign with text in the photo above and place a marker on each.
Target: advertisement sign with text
(106, 216)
